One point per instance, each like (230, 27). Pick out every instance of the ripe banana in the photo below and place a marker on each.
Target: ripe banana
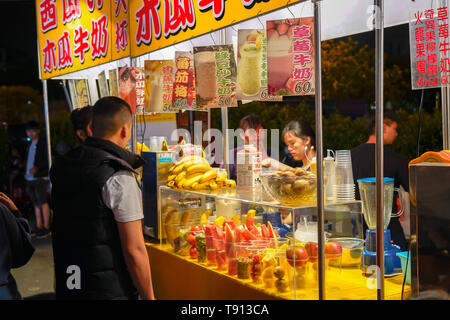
(171, 184)
(230, 183)
(171, 177)
(200, 186)
(181, 183)
(191, 180)
(198, 168)
(213, 186)
(211, 174)
(221, 176)
(180, 177)
(205, 216)
(185, 218)
(178, 168)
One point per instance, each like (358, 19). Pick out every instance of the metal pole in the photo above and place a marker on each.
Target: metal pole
(66, 93)
(134, 119)
(224, 114)
(379, 149)
(319, 148)
(47, 122)
(445, 90)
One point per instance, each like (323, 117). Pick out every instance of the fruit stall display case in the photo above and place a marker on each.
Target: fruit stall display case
(237, 254)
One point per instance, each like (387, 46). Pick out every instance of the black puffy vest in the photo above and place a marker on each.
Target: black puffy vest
(84, 231)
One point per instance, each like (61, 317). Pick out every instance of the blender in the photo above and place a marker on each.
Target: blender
(367, 190)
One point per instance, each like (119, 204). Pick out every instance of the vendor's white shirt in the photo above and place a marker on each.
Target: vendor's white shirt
(122, 195)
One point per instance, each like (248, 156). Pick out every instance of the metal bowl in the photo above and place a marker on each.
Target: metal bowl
(290, 190)
(351, 250)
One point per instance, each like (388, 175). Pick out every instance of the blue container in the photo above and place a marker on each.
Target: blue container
(403, 257)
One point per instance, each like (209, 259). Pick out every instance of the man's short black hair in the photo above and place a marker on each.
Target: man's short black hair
(250, 121)
(81, 117)
(389, 118)
(32, 125)
(109, 115)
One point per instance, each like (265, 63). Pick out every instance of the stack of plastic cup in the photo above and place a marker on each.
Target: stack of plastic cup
(345, 185)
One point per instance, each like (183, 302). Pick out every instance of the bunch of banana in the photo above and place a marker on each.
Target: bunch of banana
(195, 173)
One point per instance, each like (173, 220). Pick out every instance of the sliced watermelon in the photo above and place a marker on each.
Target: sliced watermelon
(247, 234)
(265, 231)
(271, 231)
(250, 222)
(209, 235)
(231, 224)
(253, 229)
(230, 241)
(237, 234)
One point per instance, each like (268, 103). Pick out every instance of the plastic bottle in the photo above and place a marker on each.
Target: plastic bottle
(330, 176)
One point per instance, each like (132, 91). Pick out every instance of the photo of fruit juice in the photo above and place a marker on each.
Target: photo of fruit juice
(156, 94)
(249, 69)
(279, 63)
(205, 74)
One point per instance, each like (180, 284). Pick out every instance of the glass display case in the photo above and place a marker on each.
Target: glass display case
(269, 246)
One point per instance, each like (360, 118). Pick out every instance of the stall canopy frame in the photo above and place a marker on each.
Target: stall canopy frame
(336, 19)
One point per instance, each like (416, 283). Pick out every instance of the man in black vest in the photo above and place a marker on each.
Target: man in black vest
(98, 244)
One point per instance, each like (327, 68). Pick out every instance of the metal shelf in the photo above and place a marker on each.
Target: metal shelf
(257, 198)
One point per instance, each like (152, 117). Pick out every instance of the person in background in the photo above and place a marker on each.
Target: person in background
(15, 251)
(81, 119)
(98, 214)
(300, 140)
(395, 166)
(36, 175)
(252, 134)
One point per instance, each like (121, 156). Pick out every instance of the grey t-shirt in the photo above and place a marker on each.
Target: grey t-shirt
(123, 196)
(30, 161)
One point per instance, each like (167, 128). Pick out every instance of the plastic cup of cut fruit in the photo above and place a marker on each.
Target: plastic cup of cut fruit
(243, 261)
(221, 255)
(210, 251)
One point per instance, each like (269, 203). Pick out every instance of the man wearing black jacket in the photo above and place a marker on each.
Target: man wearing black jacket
(36, 175)
(98, 244)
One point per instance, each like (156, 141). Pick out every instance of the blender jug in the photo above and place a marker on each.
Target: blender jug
(367, 190)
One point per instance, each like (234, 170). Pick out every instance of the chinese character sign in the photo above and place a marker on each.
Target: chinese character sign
(120, 29)
(215, 76)
(430, 46)
(159, 85)
(184, 81)
(252, 66)
(130, 81)
(78, 34)
(156, 24)
(140, 89)
(290, 57)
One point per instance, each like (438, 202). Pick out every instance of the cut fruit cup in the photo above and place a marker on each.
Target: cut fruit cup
(282, 273)
(256, 255)
(230, 250)
(210, 251)
(200, 244)
(221, 256)
(243, 260)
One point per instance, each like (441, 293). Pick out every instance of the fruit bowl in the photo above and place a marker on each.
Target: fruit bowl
(290, 189)
(351, 250)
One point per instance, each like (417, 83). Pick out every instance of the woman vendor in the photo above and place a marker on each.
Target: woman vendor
(300, 139)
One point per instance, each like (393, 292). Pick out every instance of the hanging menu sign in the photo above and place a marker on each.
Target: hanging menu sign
(113, 84)
(184, 81)
(215, 76)
(158, 86)
(430, 45)
(103, 85)
(131, 79)
(290, 58)
(252, 66)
